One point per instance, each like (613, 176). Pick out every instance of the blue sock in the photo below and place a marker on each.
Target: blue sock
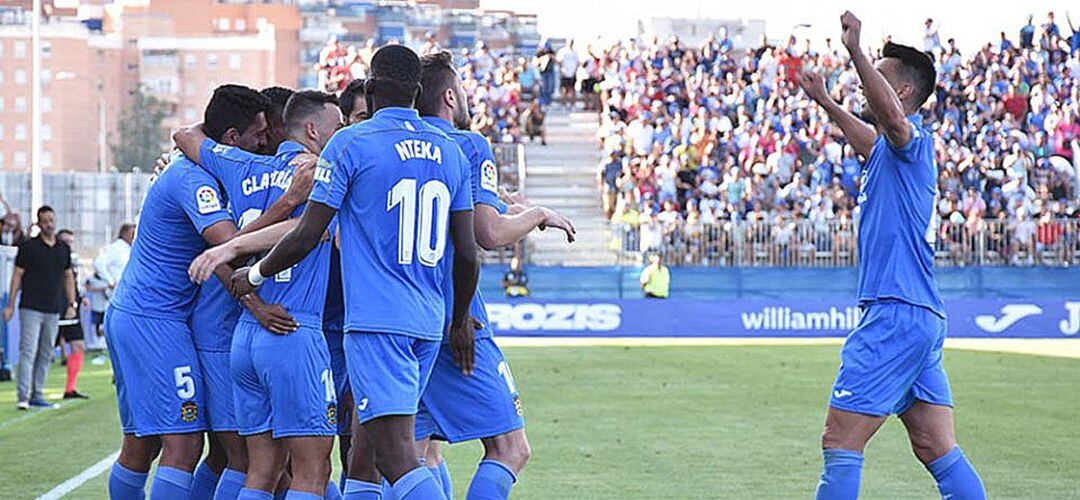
(417, 484)
(254, 494)
(332, 492)
(492, 481)
(435, 474)
(205, 482)
(442, 477)
(840, 479)
(361, 490)
(230, 484)
(171, 483)
(956, 478)
(301, 495)
(126, 484)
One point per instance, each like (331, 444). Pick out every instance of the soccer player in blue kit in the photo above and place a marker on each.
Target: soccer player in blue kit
(892, 362)
(472, 394)
(247, 186)
(258, 183)
(160, 386)
(398, 184)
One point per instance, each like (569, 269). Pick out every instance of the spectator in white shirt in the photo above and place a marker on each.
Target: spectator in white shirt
(568, 65)
(110, 263)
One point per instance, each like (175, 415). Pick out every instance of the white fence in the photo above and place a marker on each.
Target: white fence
(1047, 242)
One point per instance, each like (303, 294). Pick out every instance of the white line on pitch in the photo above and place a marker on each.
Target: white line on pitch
(71, 484)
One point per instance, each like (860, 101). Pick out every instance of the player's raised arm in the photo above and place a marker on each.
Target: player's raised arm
(189, 140)
(202, 268)
(883, 101)
(296, 244)
(858, 133)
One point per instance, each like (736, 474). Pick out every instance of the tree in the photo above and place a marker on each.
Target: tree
(140, 132)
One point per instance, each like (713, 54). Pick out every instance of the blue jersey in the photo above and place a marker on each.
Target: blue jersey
(898, 223)
(484, 185)
(394, 180)
(179, 206)
(251, 182)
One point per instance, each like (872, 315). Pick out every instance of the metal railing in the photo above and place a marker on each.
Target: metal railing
(510, 159)
(1045, 242)
(93, 205)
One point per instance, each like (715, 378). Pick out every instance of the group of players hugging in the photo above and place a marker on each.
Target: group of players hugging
(361, 320)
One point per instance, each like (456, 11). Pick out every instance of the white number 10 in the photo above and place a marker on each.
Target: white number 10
(404, 193)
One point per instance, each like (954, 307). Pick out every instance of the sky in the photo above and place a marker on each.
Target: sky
(971, 23)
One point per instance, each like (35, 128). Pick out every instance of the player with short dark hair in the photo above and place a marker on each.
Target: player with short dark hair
(159, 374)
(892, 362)
(402, 190)
(471, 394)
(276, 132)
(286, 405)
(254, 186)
(354, 103)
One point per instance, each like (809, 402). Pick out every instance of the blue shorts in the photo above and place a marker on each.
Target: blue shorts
(456, 407)
(159, 384)
(283, 382)
(335, 343)
(220, 405)
(892, 359)
(388, 372)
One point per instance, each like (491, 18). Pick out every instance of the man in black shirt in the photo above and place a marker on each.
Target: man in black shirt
(42, 270)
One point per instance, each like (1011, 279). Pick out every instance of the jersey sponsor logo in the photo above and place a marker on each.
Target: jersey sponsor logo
(410, 149)
(564, 317)
(1010, 314)
(221, 149)
(323, 168)
(207, 200)
(189, 411)
(489, 176)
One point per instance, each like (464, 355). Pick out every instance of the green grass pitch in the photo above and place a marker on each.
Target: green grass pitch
(668, 422)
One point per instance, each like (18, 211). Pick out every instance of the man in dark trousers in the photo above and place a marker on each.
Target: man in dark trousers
(42, 270)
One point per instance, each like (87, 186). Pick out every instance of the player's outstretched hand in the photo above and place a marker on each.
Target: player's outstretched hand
(202, 268)
(556, 220)
(813, 84)
(851, 27)
(303, 178)
(239, 285)
(275, 318)
(463, 345)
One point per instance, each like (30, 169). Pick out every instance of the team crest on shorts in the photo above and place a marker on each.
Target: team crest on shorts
(519, 406)
(189, 411)
(331, 414)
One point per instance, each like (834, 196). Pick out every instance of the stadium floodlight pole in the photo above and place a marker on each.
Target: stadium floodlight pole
(37, 179)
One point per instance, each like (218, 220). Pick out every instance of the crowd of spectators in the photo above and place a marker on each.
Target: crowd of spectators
(508, 93)
(704, 137)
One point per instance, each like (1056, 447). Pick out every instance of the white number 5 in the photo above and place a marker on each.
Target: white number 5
(185, 384)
